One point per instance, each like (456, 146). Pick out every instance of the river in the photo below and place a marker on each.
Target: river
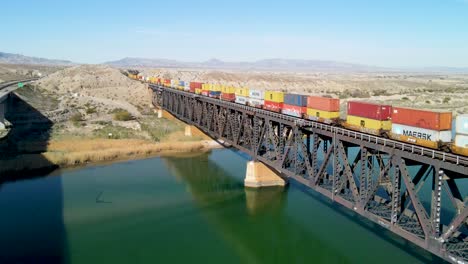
(183, 210)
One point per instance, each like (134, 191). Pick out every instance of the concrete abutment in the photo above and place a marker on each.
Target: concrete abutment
(259, 175)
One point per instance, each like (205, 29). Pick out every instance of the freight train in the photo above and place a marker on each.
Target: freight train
(414, 126)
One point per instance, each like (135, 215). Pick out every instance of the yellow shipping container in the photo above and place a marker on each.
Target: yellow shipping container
(228, 89)
(244, 91)
(373, 124)
(206, 86)
(198, 91)
(216, 88)
(274, 96)
(322, 114)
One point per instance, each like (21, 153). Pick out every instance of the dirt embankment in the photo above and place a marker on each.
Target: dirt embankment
(90, 113)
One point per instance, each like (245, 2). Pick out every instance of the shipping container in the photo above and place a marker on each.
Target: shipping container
(295, 99)
(460, 145)
(187, 87)
(293, 110)
(214, 94)
(461, 124)
(175, 83)
(231, 97)
(420, 136)
(198, 91)
(422, 118)
(370, 110)
(243, 91)
(241, 99)
(273, 106)
(181, 83)
(257, 94)
(196, 85)
(205, 92)
(274, 96)
(215, 88)
(228, 89)
(367, 125)
(258, 103)
(323, 103)
(322, 116)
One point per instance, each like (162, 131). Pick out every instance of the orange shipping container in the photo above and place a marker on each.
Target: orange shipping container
(422, 118)
(323, 103)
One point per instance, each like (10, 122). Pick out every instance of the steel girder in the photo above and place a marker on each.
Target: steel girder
(383, 183)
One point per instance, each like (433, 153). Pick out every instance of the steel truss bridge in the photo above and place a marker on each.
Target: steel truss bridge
(415, 192)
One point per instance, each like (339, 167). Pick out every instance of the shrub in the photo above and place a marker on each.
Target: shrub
(446, 100)
(123, 116)
(380, 92)
(405, 98)
(428, 102)
(90, 110)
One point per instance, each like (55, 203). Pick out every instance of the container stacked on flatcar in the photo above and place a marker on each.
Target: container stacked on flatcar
(460, 145)
(256, 98)
(242, 95)
(295, 105)
(323, 109)
(206, 89)
(274, 101)
(215, 91)
(181, 85)
(425, 128)
(194, 86)
(369, 118)
(228, 93)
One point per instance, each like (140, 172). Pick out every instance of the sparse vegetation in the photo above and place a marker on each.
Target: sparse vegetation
(446, 100)
(123, 115)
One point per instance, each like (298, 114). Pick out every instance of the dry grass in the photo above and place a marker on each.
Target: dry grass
(66, 153)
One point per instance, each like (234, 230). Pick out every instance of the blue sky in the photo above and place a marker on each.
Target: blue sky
(395, 33)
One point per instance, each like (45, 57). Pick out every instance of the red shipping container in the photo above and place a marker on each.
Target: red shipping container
(228, 97)
(205, 92)
(422, 118)
(370, 110)
(323, 103)
(195, 85)
(273, 106)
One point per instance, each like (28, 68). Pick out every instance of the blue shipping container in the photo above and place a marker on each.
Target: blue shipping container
(181, 83)
(295, 99)
(214, 94)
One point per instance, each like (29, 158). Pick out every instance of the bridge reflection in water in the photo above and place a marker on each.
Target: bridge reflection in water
(276, 225)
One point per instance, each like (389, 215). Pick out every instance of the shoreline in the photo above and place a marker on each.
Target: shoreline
(69, 154)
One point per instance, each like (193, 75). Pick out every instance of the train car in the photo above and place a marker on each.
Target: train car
(295, 105)
(422, 127)
(215, 91)
(369, 118)
(194, 86)
(323, 109)
(256, 98)
(206, 89)
(228, 93)
(460, 145)
(174, 83)
(274, 101)
(181, 85)
(242, 95)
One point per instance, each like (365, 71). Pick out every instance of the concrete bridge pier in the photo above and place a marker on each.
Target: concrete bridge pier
(259, 175)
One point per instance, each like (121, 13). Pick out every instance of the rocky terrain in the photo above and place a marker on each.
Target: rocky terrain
(9, 72)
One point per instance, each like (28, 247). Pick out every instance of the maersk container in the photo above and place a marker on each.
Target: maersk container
(257, 94)
(427, 119)
(422, 133)
(241, 99)
(461, 124)
(295, 99)
(461, 141)
(370, 110)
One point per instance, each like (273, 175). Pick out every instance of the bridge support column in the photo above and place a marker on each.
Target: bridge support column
(259, 175)
(160, 113)
(188, 131)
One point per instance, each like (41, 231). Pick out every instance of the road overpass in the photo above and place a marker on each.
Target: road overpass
(5, 89)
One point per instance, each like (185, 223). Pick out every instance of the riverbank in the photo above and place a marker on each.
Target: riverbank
(78, 152)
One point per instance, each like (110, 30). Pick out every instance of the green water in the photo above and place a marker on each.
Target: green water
(183, 210)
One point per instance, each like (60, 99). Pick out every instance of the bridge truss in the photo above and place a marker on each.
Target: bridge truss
(417, 193)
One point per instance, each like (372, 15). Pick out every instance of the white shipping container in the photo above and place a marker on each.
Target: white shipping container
(422, 133)
(461, 124)
(241, 100)
(257, 94)
(256, 102)
(461, 141)
(187, 86)
(174, 83)
(291, 113)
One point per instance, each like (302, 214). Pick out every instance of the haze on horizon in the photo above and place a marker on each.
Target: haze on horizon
(386, 33)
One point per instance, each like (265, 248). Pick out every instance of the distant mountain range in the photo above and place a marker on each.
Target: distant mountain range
(10, 58)
(268, 64)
